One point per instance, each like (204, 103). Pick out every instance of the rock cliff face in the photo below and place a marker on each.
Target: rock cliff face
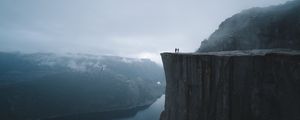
(232, 85)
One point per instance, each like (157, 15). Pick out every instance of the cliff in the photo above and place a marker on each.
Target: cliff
(232, 85)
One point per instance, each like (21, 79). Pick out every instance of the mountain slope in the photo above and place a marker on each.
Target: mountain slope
(38, 86)
(258, 28)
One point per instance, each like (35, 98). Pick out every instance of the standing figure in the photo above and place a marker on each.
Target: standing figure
(176, 50)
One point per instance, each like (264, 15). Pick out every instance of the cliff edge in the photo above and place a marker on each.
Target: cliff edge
(232, 85)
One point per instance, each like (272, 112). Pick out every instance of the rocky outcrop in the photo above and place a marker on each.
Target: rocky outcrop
(232, 85)
(258, 28)
(220, 83)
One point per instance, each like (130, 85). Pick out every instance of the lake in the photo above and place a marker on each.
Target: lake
(150, 112)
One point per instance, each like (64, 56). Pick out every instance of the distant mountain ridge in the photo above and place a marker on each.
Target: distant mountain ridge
(44, 85)
(258, 28)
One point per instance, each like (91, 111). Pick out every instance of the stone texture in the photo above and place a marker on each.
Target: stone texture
(232, 85)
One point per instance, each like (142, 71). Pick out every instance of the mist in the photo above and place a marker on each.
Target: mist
(131, 28)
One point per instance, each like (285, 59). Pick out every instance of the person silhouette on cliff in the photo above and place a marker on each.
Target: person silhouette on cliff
(176, 50)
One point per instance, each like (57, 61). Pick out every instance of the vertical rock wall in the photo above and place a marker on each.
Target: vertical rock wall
(216, 86)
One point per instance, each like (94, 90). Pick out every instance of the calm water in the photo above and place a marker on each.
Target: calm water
(151, 112)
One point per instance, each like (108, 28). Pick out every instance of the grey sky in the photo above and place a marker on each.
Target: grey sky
(131, 28)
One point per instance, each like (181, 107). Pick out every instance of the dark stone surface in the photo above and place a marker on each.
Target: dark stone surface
(247, 85)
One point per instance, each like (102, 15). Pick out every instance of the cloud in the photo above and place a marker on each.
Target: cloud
(114, 27)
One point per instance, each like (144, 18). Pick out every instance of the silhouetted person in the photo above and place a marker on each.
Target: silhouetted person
(176, 50)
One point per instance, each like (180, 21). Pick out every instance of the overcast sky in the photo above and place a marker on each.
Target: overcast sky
(131, 28)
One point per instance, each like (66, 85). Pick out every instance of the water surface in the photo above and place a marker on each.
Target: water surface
(150, 112)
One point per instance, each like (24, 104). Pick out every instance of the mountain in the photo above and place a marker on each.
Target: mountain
(248, 69)
(44, 85)
(258, 28)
